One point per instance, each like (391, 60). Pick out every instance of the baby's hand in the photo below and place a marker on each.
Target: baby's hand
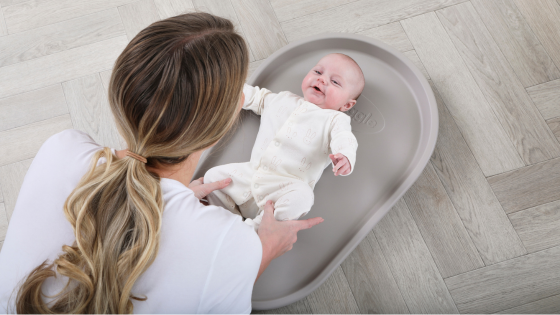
(341, 164)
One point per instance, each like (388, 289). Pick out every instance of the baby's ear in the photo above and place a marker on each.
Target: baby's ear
(348, 105)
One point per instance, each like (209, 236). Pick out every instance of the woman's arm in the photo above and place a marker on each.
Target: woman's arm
(278, 237)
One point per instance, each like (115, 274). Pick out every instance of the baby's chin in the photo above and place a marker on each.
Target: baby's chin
(311, 99)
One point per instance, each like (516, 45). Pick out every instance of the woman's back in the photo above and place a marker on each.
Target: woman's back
(207, 260)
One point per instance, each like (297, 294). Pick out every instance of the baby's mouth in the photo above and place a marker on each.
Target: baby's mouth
(317, 89)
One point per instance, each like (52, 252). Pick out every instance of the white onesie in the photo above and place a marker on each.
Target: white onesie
(290, 153)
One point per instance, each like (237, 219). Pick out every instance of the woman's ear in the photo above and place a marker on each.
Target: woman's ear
(348, 105)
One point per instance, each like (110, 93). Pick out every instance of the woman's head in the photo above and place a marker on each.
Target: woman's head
(175, 87)
(174, 90)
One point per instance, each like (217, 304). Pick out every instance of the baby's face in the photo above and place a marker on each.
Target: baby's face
(331, 84)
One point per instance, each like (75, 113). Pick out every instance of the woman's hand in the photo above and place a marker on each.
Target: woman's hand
(202, 190)
(278, 237)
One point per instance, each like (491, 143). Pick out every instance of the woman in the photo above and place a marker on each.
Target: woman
(139, 240)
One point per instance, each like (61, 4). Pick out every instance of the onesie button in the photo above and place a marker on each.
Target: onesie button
(265, 168)
(256, 186)
(276, 143)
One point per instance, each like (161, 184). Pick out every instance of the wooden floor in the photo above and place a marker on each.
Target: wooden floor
(479, 232)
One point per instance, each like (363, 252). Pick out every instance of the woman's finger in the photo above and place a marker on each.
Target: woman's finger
(307, 224)
(203, 190)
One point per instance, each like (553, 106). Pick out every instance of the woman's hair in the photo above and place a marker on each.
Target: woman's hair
(174, 90)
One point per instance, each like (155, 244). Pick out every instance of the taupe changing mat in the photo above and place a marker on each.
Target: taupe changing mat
(395, 122)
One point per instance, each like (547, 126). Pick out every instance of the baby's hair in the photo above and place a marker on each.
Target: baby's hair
(361, 72)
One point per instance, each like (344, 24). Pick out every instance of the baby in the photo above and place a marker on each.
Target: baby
(292, 147)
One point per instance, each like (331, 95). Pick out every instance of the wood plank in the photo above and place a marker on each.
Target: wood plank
(392, 34)
(470, 193)
(546, 97)
(5, 3)
(260, 26)
(32, 14)
(411, 263)
(90, 111)
(554, 125)
(223, 9)
(291, 9)
(504, 92)
(549, 305)
(299, 307)
(33, 106)
(138, 15)
(253, 66)
(488, 141)
(333, 296)
(371, 281)
(3, 27)
(517, 42)
(24, 142)
(507, 284)
(61, 36)
(359, 16)
(413, 56)
(527, 187)
(442, 229)
(538, 226)
(169, 8)
(544, 18)
(63, 66)
(3, 222)
(11, 179)
(105, 78)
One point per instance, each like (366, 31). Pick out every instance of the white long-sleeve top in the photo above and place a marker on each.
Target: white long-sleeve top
(296, 136)
(207, 262)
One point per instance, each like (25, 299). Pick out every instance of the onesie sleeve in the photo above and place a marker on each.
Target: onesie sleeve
(343, 140)
(257, 98)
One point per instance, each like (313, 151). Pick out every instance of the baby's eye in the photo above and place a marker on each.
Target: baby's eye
(316, 71)
(336, 82)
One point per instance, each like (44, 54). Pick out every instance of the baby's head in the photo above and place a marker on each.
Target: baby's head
(335, 82)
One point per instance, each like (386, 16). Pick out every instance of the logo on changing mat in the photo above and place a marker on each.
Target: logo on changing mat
(366, 117)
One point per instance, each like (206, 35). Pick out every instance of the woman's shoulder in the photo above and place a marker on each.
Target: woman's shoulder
(69, 139)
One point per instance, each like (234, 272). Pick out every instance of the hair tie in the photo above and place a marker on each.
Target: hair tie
(136, 156)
